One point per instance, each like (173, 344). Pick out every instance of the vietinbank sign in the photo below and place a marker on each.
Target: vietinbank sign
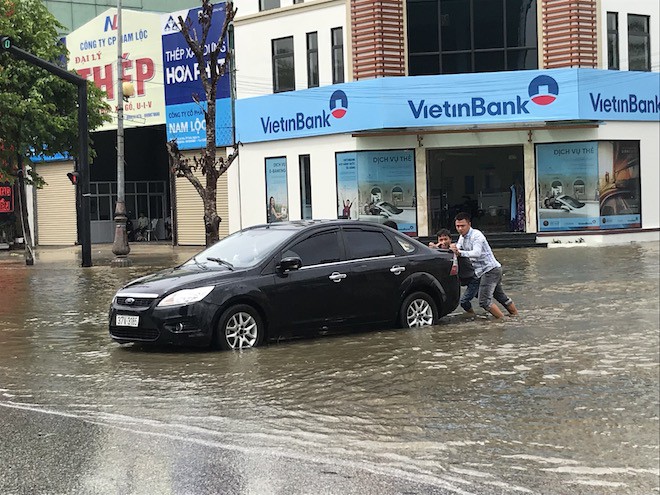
(300, 121)
(449, 100)
(543, 90)
(620, 95)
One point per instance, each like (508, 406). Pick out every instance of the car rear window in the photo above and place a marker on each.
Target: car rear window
(407, 246)
(366, 244)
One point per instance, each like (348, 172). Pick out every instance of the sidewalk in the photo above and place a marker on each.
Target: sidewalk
(141, 254)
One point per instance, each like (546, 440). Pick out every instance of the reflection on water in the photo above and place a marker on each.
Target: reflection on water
(563, 399)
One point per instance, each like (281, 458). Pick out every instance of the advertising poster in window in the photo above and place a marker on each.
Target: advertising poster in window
(277, 197)
(568, 197)
(347, 186)
(378, 186)
(619, 184)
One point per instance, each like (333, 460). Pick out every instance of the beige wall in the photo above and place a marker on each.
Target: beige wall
(189, 209)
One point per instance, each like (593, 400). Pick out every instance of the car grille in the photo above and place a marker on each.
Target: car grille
(138, 302)
(145, 334)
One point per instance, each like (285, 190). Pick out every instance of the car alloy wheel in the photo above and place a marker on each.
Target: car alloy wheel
(240, 327)
(418, 310)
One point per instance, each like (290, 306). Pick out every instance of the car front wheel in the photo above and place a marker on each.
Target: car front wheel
(240, 327)
(418, 310)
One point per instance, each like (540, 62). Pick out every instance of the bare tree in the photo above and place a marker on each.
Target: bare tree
(208, 163)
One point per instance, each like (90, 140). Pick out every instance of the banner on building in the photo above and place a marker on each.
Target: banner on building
(93, 55)
(181, 76)
(277, 196)
(378, 186)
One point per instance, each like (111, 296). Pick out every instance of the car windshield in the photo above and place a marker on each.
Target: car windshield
(242, 249)
(569, 200)
(389, 207)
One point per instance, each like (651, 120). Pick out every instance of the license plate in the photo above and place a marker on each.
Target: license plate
(127, 321)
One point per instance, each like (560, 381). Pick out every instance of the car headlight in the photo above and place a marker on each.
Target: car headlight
(185, 296)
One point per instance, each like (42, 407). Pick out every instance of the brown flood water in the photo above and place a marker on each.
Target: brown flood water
(563, 399)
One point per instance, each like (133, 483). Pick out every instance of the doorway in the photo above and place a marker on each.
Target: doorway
(146, 182)
(485, 182)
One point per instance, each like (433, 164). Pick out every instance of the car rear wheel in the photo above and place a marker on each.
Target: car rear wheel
(240, 327)
(418, 310)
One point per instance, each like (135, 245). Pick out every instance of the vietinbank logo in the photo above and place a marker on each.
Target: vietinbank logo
(543, 90)
(338, 104)
(301, 121)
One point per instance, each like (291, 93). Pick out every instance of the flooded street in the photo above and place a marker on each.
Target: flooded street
(561, 400)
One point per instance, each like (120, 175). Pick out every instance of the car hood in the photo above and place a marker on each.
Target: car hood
(180, 277)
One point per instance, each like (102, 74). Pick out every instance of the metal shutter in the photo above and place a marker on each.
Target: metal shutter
(56, 206)
(189, 209)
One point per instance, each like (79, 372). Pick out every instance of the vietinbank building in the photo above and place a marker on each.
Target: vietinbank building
(565, 156)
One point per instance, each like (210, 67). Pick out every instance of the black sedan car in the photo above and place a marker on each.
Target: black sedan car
(289, 279)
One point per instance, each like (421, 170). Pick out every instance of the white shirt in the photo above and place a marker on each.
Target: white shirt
(474, 245)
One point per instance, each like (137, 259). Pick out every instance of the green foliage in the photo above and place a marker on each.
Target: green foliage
(39, 110)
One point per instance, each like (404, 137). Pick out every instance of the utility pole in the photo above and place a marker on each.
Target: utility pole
(120, 245)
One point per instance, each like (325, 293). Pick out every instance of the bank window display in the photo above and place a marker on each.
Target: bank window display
(592, 185)
(378, 186)
(277, 195)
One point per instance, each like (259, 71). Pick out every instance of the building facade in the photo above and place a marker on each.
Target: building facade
(534, 116)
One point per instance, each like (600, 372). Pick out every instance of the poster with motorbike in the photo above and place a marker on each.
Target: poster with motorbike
(277, 195)
(567, 178)
(378, 186)
(619, 184)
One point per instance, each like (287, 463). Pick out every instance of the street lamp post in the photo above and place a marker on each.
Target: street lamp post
(120, 245)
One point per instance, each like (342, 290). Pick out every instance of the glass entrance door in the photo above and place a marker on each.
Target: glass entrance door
(484, 182)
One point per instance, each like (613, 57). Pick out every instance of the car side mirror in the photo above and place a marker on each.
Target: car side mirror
(288, 264)
(565, 208)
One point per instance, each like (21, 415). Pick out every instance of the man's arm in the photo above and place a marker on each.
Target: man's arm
(477, 247)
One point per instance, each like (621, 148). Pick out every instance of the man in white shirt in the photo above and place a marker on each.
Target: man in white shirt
(142, 227)
(473, 244)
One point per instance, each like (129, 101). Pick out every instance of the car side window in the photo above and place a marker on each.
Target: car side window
(407, 246)
(366, 244)
(317, 249)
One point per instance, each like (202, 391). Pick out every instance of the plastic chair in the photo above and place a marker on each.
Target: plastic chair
(151, 232)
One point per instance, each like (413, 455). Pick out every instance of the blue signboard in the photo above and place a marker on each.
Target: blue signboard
(181, 72)
(451, 100)
(619, 95)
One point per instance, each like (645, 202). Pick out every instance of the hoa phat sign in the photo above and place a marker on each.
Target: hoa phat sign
(93, 55)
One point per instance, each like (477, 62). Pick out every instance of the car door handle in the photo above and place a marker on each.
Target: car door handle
(397, 270)
(337, 277)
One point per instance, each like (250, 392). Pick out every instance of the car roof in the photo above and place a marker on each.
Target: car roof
(302, 224)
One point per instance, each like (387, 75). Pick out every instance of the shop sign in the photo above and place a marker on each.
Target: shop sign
(451, 100)
(619, 95)
(6, 198)
(181, 72)
(93, 55)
